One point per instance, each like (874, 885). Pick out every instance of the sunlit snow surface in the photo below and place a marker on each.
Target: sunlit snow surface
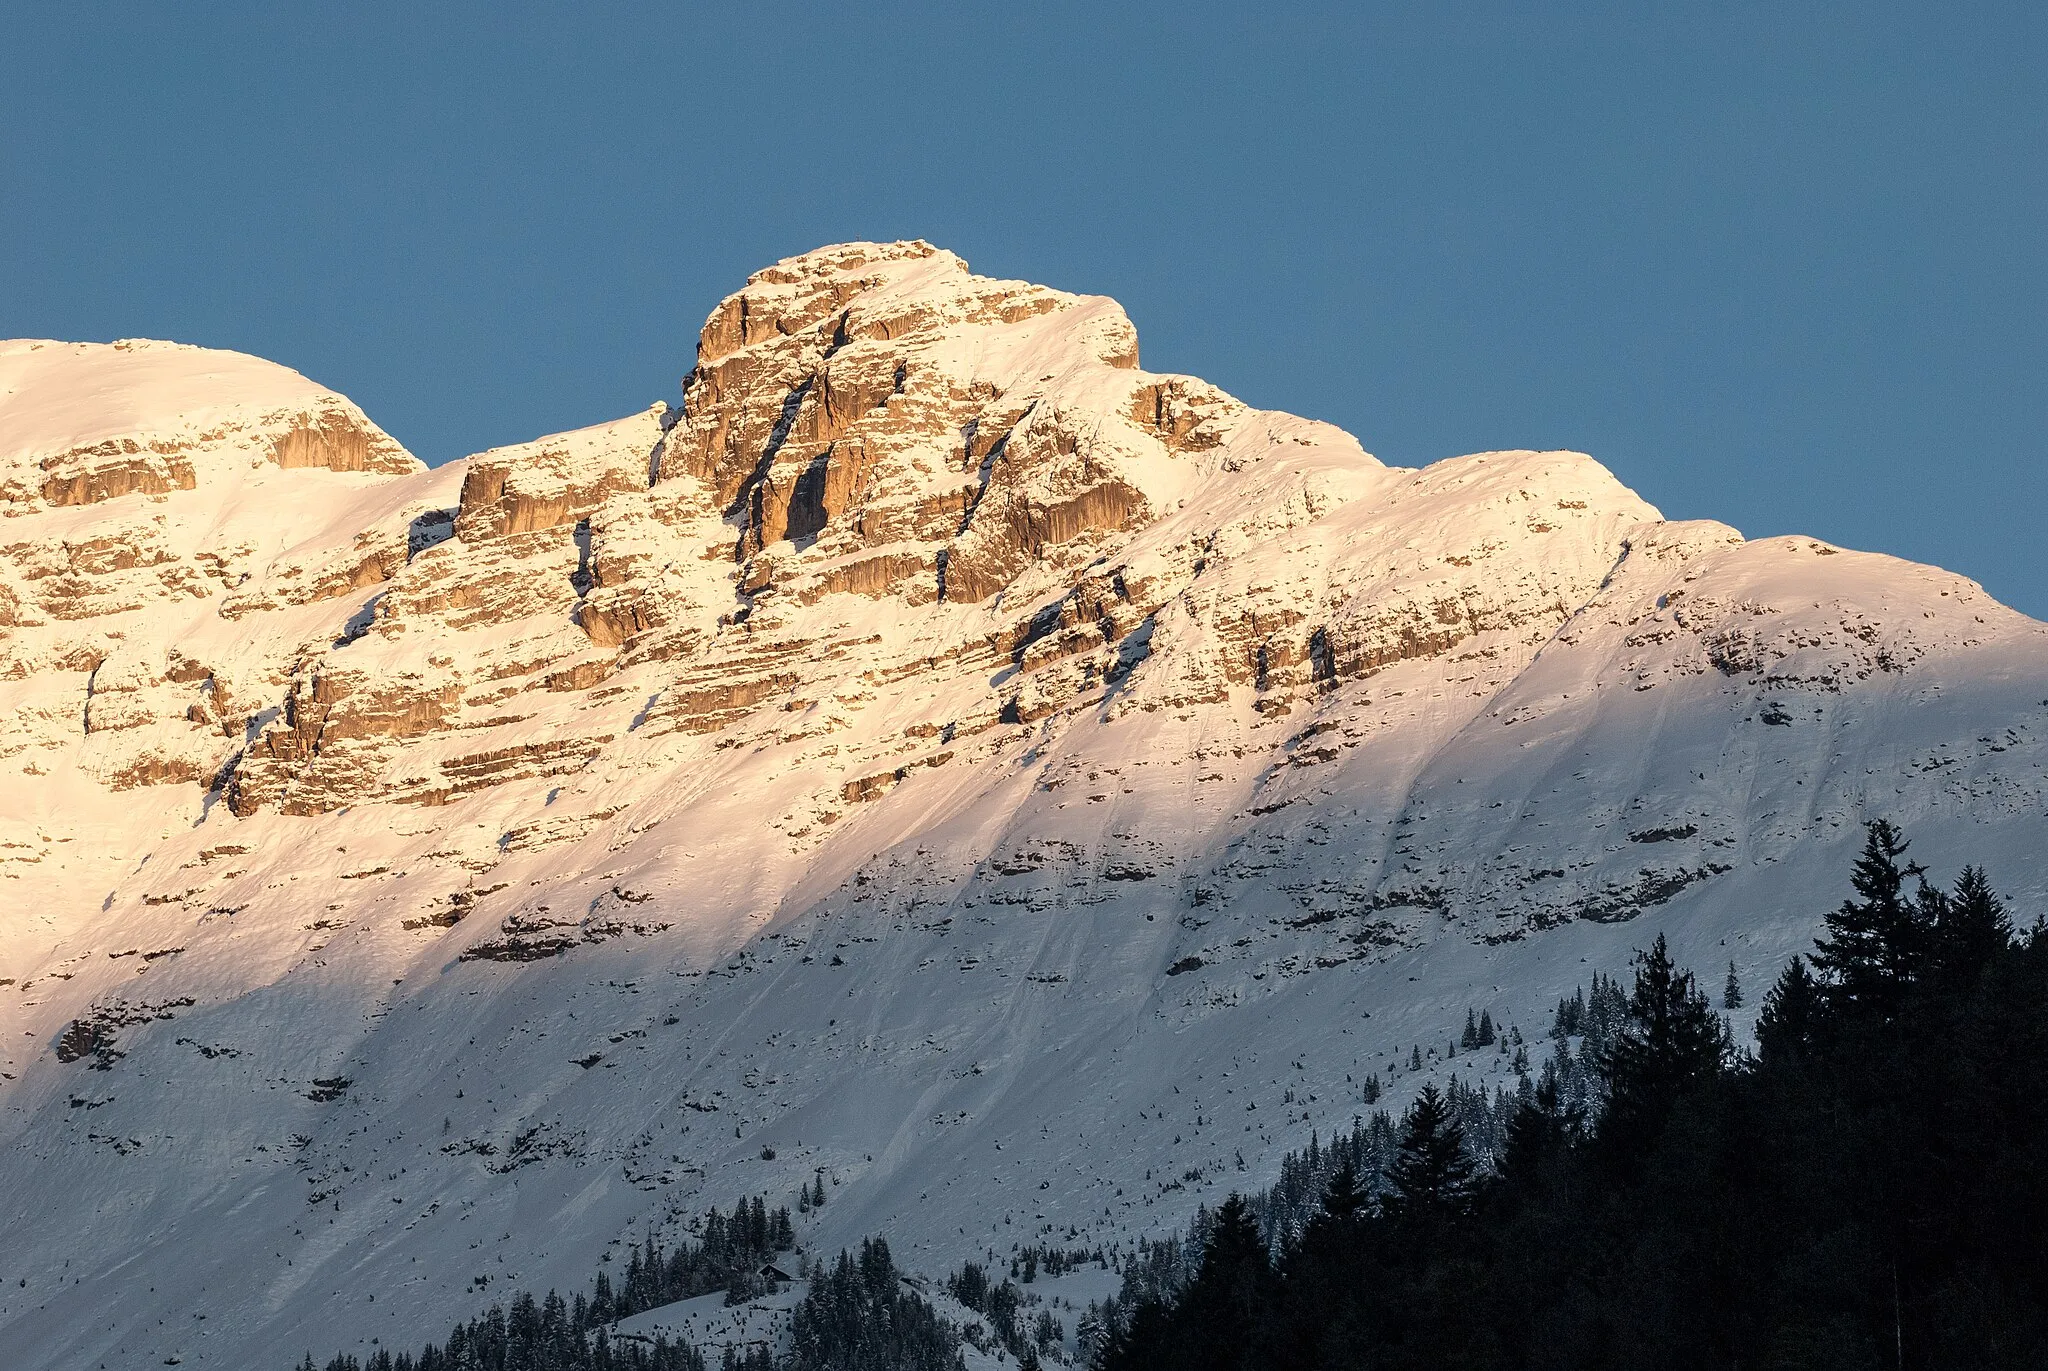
(1074, 977)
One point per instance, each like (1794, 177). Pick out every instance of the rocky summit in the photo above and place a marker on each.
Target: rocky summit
(932, 754)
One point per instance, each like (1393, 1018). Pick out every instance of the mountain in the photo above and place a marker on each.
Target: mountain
(937, 752)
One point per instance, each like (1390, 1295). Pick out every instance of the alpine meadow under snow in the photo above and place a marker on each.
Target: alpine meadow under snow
(935, 759)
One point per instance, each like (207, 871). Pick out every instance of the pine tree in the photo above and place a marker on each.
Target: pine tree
(1535, 1135)
(1089, 1336)
(1343, 1197)
(1970, 927)
(1229, 1290)
(1486, 1033)
(1471, 1037)
(1430, 1175)
(1785, 1025)
(1856, 1196)
(1872, 944)
(1605, 1009)
(1731, 990)
(970, 1286)
(1415, 1057)
(1670, 1042)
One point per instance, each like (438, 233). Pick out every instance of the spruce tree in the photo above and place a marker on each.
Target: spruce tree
(1536, 1134)
(1669, 1043)
(1430, 1175)
(1858, 1196)
(1731, 990)
(1970, 927)
(1342, 1197)
(1786, 1024)
(1229, 1290)
(1873, 942)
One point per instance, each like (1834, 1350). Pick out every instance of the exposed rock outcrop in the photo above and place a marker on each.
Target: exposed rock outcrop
(933, 740)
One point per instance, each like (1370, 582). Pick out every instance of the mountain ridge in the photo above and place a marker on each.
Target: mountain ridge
(1077, 733)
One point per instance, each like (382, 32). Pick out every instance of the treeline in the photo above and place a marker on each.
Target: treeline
(1054, 1261)
(569, 1335)
(1002, 1304)
(862, 1315)
(1283, 1211)
(1867, 1189)
(533, 1335)
(859, 1314)
(728, 1255)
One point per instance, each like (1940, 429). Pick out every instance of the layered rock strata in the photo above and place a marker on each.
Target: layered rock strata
(929, 751)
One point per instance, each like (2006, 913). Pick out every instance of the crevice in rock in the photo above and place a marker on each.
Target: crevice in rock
(583, 578)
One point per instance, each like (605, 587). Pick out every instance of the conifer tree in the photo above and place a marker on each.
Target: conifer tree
(1089, 1336)
(1670, 1042)
(1970, 927)
(1785, 1025)
(1854, 1196)
(1731, 990)
(1536, 1134)
(1343, 1197)
(1430, 1175)
(1873, 942)
(1229, 1290)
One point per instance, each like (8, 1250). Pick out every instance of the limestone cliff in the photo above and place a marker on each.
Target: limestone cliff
(926, 750)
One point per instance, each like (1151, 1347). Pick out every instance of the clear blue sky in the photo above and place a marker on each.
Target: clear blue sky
(1781, 265)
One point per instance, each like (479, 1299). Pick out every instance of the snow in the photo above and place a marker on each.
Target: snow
(707, 1324)
(57, 396)
(1563, 726)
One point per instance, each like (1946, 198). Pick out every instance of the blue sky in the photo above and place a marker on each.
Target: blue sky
(1778, 265)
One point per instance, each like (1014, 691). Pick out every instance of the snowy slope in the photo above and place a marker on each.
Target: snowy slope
(1031, 789)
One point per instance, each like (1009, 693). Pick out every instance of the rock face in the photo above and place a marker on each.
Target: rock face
(154, 497)
(869, 430)
(933, 739)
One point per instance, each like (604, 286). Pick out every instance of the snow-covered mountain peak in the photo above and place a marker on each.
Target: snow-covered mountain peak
(930, 732)
(85, 422)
